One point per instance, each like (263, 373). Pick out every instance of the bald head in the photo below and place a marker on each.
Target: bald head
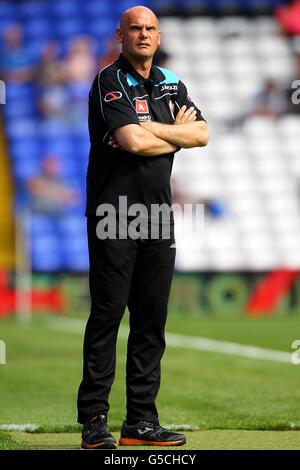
(138, 33)
(137, 12)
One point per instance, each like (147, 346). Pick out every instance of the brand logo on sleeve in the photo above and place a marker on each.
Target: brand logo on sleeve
(141, 106)
(169, 87)
(113, 95)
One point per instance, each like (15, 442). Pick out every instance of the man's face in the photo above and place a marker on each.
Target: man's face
(139, 35)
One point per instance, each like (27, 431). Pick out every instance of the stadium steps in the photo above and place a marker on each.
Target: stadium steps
(7, 254)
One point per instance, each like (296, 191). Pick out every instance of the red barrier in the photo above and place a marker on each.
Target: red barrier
(41, 299)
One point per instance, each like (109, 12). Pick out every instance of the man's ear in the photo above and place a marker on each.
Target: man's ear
(119, 35)
(159, 37)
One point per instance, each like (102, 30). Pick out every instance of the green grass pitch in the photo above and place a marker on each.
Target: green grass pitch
(224, 401)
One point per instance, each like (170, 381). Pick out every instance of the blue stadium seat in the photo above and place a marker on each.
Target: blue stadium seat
(22, 199)
(65, 9)
(122, 5)
(53, 128)
(24, 169)
(23, 109)
(19, 91)
(47, 249)
(101, 28)
(76, 253)
(4, 23)
(76, 262)
(25, 147)
(220, 7)
(33, 9)
(95, 9)
(21, 128)
(72, 226)
(78, 209)
(253, 7)
(75, 182)
(8, 11)
(46, 253)
(61, 146)
(68, 166)
(82, 145)
(68, 28)
(194, 6)
(42, 225)
(164, 6)
(35, 48)
(41, 29)
(80, 130)
(279, 2)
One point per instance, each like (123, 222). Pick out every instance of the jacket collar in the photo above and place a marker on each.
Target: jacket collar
(155, 75)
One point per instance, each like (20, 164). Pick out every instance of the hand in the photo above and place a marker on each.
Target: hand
(112, 141)
(185, 115)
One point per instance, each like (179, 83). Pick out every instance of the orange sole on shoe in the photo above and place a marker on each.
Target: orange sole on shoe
(99, 445)
(128, 441)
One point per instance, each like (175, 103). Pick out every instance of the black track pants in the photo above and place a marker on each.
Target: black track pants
(136, 273)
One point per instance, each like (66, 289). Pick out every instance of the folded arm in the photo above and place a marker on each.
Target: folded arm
(185, 134)
(135, 139)
(154, 138)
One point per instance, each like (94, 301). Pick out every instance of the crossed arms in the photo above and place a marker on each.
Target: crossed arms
(154, 138)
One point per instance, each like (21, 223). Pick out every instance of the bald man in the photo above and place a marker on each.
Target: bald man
(139, 116)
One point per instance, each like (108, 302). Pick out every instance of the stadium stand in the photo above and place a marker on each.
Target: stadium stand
(251, 164)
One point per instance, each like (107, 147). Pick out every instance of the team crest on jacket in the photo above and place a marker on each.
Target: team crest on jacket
(112, 95)
(141, 106)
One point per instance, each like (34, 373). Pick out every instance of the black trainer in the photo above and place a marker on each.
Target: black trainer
(95, 434)
(145, 433)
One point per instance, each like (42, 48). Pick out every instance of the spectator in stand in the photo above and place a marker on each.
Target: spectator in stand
(288, 17)
(53, 100)
(269, 101)
(79, 69)
(80, 64)
(49, 62)
(16, 63)
(49, 193)
(112, 53)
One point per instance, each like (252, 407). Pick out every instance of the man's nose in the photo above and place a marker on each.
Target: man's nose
(143, 32)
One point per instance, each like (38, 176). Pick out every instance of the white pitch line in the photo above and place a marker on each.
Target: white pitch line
(75, 325)
(33, 427)
(18, 427)
(225, 347)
